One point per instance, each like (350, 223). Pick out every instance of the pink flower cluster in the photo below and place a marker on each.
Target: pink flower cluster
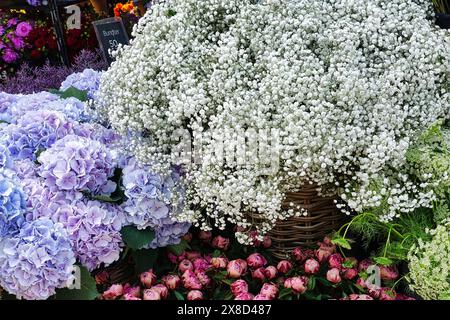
(13, 33)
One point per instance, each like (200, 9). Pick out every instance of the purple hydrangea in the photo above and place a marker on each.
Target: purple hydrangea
(36, 261)
(12, 204)
(6, 102)
(148, 195)
(88, 80)
(78, 164)
(36, 131)
(71, 107)
(94, 231)
(30, 102)
(5, 158)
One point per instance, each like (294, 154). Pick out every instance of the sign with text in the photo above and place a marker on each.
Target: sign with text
(110, 33)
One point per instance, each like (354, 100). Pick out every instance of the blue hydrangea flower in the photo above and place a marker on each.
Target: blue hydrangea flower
(5, 158)
(71, 107)
(30, 102)
(88, 80)
(150, 203)
(36, 131)
(78, 164)
(6, 101)
(12, 204)
(36, 261)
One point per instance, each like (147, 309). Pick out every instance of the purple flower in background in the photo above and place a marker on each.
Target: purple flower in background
(12, 204)
(78, 164)
(34, 2)
(36, 131)
(23, 29)
(12, 22)
(17, 42)
(2, 31)
(36, 261)
(88, 80)
(9, 55)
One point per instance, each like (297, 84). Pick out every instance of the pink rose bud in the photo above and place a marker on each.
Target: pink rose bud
(322, 254)
(333, 275)
(130, 297)
(200, 264)
(171, 281)
(190, 281)
(187, 237)
(203, 278)
(205, 236)
(261, 297)
(298, 284)
(134, 291)
(361, 282)
(269, 290)
(349, 274)
(270, 272)
(259, 274)
(182, 256)
(354, 296)
(388, 273)
(148, 278)
(387, 294)
(238, 287)
(151, 294)
(299, 255)
(256, 260)
(192, 255)
(102, 277)
(374, 291)
(364, 264)
(284, 266)
(172, 258)
(244, 296)
(162, 290)
(195, 295)
(327, 241)
(115, 291)
(288, 283)
(312, 266)
(335, 261)
(267, 242)
(220, 242)
(219, 263)
(185, 265)
(236, 268)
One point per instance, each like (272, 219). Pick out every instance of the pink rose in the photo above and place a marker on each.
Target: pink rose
(185, 265)
(269, 290)
(190, 281)
(270, 272)
(148, 278)
(349, 274)
(220, 242)
(195, 295)
(354, 296)
(219, 263)
(256, 260)
(171, 281)
(267, 242)
(374, 291)
(284, 266)
(333, 275)
(388, 273)
(130, 290)
(130, 297)
(299, 284)
(261, 297)
(387, 294)
(361, 282)
(173, 258)
(162, 290)
(259, 274)
(322, 254)
(312, 266)
(200, 264)
(299, 255)
(364, 264)
(244, 296)
(203, 278)
(205, 236)
(238, 287)
(236, 268)
(151, 294)
(101, 277)
(335, 261)
(192, 255)
(115, 291)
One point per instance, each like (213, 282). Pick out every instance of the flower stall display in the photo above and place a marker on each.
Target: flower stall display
(345, 86)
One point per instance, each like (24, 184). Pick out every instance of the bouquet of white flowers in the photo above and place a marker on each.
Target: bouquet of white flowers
(273, 94)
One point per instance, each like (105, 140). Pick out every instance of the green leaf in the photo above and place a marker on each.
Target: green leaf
(228, 281)
(178, 295)
(136, 239)
(144, 259)
(341, 242)
(348, 264)
(284, 293)
(177, 249)
(228, 295)
(87, 291)
(170, 13)
(106, 198)
(216, 253)
(71, 92)
(312, 283)
(383, 261)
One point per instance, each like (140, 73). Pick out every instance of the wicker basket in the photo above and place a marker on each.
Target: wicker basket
(323, 218)
(119, 272)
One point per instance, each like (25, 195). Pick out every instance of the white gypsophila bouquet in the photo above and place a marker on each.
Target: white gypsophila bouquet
(429, 265)
(336, 89)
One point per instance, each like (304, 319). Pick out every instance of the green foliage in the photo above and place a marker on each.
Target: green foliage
(87, 291)
(135, 238)
(177, 249)
(71, 92)
(144, 259)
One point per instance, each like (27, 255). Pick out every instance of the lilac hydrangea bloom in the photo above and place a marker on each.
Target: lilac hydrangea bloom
(36, 131)
(36, 261)
(12, 204)
(146, 206)
(6, 101)
(94, 231)
(71, 107)
(88, 80)
(30, 102)
(5, 158)
(78, 164)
